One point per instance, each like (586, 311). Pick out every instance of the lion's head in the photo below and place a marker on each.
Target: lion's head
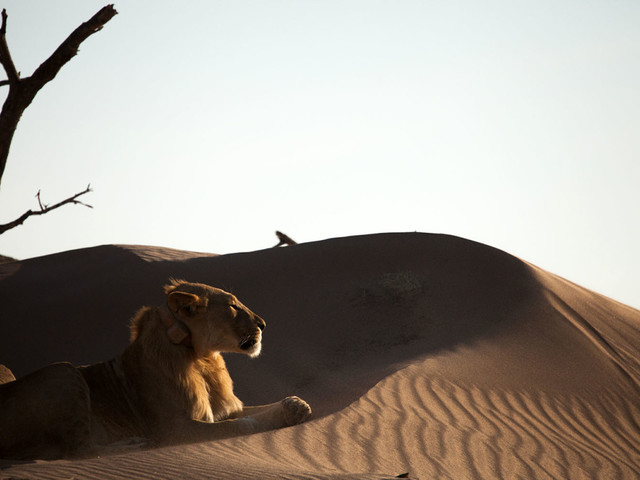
(216, 320)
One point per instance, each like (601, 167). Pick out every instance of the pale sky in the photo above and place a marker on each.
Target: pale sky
(207, 125)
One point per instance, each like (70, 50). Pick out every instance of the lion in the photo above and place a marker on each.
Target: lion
(169, 386)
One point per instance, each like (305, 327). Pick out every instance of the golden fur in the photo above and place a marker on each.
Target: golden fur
(157, 392)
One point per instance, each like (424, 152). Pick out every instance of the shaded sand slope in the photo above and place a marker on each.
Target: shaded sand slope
(422, 353)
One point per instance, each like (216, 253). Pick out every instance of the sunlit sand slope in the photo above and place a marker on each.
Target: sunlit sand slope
(419, 353)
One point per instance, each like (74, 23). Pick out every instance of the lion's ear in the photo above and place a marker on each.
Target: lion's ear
(181, 301)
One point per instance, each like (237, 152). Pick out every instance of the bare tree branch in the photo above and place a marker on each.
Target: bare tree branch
(22, 91)
(5, 56)
(69, 48)
(44, 208)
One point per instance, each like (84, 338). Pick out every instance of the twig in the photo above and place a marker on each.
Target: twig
(44, 208)
(39, 202)
(5, 57)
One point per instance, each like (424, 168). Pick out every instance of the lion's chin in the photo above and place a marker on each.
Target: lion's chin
(254, 351)
(251, 347)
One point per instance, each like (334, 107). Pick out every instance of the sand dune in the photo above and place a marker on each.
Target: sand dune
(419, 353)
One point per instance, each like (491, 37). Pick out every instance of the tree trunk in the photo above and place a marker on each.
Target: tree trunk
(17, 101)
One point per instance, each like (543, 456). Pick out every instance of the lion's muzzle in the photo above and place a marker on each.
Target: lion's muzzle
(248, 343)
(251, 343)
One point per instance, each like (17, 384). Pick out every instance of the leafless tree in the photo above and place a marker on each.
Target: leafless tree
(22, 91)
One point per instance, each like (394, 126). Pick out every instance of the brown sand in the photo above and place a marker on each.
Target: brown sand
(419, 353)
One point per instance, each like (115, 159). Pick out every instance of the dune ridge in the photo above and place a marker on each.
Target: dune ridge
(419, 353)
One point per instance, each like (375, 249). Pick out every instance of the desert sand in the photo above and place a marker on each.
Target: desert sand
(419, 353)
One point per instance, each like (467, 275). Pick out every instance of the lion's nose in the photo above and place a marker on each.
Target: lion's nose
(261, 323)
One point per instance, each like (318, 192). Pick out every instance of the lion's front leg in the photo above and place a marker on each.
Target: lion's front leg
(253, 410)
(287, 412)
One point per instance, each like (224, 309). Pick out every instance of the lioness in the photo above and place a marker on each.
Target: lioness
(169, 386)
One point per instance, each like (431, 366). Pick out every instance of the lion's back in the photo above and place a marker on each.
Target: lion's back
(45, 414)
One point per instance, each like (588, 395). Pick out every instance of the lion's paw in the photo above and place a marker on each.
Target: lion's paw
(295, 410)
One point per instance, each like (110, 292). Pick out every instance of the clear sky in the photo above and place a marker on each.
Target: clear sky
(207, 125)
